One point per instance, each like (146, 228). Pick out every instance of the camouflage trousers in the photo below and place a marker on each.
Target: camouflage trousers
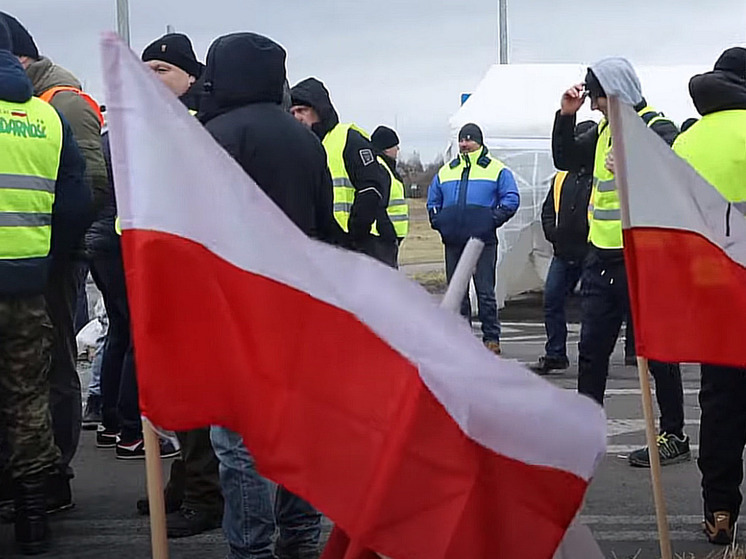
(25, 354)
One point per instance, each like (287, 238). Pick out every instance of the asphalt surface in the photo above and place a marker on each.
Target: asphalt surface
(619, 506)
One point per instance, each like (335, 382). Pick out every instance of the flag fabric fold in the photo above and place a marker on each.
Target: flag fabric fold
(685, 248)
(349, 385)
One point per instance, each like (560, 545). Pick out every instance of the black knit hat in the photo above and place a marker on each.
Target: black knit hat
(5, 41)
(176, 49)
(733, 61)
(593, 86)
(384, 138)
(23, 43)
(472, 132)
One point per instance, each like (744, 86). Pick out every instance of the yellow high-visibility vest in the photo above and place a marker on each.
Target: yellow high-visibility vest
(397, 210)
(604, 212)
(714, 146)
(344, 192)
(30, 151)
(559, 181)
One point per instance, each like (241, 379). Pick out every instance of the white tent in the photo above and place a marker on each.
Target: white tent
(514, 105)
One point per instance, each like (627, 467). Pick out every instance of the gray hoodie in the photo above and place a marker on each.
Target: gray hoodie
(618, 77)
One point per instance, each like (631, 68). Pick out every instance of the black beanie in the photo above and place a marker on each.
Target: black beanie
(733, 61)
(594, 87)
(5, 41)
(384, 138)
(471, 132)
(176, 49)
(23, 43)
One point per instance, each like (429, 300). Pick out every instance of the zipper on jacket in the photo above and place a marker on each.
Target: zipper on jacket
(464, 184)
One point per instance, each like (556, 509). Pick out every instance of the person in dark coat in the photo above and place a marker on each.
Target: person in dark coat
(242, 109)
(564, 218)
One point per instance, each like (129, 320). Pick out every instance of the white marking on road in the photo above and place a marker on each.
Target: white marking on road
(674, 519)
(616, 427)
(636, 391)
(648, 536)
(628, 448)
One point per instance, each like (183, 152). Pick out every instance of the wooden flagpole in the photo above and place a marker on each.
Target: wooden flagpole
(655, 464)
(154, 478)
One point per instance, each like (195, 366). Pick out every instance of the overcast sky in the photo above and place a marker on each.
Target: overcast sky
(401, 63)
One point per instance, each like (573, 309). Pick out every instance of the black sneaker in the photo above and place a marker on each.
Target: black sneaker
(92, 413)
(546, 364)
(718, 527)
(135, 450)
(106, 438)
(671, 449)
(188, 522)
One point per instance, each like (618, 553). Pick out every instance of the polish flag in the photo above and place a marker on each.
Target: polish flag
(350, 386)
(685, 248)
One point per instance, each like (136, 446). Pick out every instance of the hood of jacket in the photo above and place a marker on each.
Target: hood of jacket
(312, 93)
(15, 85)
(241, 69)
(725, 87)
(45, 74)
(618, 77)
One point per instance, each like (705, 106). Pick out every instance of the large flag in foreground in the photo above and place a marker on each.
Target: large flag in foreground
(350, 386)
(685, 247)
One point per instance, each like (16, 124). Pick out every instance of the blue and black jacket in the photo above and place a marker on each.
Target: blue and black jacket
(472, 196)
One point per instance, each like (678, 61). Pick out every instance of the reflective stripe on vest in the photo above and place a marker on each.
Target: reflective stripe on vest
(344, 192)
(30, 148)
(604, 210)
(52, 91)
(559, 181)
(397, 210)
(714, 147)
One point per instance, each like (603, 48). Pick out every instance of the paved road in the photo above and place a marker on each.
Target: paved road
(619, 507)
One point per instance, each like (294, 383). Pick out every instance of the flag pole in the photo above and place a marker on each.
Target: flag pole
(655, 463)
(620, 172)
(459, 284)
(156, 504)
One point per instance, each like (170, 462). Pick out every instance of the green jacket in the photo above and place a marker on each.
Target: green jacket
(44, 74)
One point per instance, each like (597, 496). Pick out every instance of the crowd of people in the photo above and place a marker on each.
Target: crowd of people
(58, 222)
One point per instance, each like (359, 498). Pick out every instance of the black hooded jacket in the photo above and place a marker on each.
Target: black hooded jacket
(717, 91)
(371, 181)
(241, 108)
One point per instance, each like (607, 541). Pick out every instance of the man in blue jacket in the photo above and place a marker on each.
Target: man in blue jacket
(472, 196)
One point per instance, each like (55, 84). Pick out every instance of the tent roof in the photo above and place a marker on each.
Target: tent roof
(518, 101)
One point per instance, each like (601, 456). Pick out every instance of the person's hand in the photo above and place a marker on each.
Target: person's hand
(572, 100)
(610, 162)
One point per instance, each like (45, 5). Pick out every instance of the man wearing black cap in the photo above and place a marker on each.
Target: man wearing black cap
(714, 147)
(173, 60)
(386, 142)
(361, 184)
(605, 296)
(472, 196)
(193, 497)
(62, 90)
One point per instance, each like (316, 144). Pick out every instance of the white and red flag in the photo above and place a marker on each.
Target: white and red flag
(685, 248)
(349, 385)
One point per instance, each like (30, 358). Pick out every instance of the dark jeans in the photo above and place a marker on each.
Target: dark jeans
(562, 278)
(629, 338)
(484, 283)
(66, 279)
(198, 472)
(119, 398)
(81, 317)
(722, 437)
(604, 307)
